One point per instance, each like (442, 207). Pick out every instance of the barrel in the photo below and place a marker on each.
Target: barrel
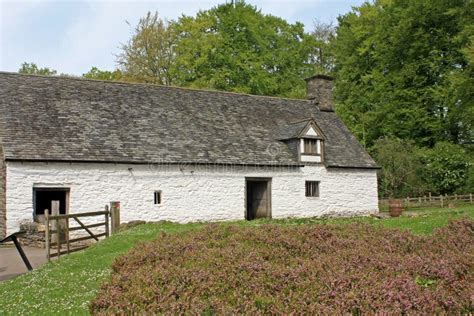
(395, 208)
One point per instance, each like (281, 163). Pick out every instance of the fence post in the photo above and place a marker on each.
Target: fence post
(115, 216)
(46, 234)
(429, 193)
(441, 199)
(57, 236)
(54, 224)
(107, 233)
(470, 197)
(66, 235)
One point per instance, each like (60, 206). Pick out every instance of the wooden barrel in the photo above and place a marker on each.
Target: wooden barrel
(395, 208)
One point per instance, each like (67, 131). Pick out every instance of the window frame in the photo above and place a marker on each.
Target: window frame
(312, 192)
(310, 146)
(312, 150)
(37, 189)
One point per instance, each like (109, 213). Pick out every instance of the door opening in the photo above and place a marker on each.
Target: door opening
(258, 198)
(42, 198)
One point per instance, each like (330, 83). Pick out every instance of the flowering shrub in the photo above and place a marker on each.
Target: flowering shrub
(306, 269)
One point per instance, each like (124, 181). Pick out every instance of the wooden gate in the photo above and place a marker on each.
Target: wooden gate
(57, 228)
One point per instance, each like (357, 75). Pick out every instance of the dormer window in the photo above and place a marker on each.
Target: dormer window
(311, 144)
(311, 150)
(306, 139)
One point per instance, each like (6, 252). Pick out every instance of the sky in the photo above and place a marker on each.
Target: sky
(72, 36)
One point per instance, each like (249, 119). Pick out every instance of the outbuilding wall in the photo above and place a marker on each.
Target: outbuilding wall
(189, 192)
(3, 179)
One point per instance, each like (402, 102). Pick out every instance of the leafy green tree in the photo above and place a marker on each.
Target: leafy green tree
(235, 47)
(32, 69)
(400, 167)
(469, 185)
(98, 74)
(397, 62)
(149, 55)
(460, 92)
(446, 167)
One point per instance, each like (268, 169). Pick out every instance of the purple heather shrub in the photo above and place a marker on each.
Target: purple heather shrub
(323, 269)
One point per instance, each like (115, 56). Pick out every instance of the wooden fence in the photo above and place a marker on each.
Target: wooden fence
(57, 228)
(431, 201)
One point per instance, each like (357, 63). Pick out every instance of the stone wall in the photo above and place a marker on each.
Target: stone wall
(189, 192)
(3, 178)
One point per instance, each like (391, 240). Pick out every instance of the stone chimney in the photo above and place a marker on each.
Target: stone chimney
(319, 90)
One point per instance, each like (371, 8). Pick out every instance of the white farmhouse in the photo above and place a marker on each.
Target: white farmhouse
(175, 154)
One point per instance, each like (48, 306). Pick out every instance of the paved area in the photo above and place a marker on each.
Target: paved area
(11, 264)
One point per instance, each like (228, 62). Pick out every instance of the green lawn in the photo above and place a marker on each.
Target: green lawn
(67, 286)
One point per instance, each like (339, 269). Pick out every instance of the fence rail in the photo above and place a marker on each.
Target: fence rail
(432, 200)
(57, 228)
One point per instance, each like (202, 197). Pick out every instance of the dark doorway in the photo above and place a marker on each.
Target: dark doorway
(42, 198)
(258, 198)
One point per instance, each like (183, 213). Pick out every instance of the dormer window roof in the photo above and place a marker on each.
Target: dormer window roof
(304, 128)
(308, 138)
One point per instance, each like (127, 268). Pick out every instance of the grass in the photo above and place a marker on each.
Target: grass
(68, 285)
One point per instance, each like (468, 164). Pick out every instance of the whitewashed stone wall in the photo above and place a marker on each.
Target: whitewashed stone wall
(2, 194)
(189, 193)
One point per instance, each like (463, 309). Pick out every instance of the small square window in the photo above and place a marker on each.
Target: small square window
(312, 188)
(158, 198)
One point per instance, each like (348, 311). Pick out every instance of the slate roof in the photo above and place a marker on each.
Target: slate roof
(290, 131)
(68, 119)
(293, 130)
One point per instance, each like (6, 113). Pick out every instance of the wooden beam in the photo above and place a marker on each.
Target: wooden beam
(55, 223)
(64, 216)
(107, 233)
(86, 229)
(46, 234)
(71, 250)
(80, 228)
(115, 216)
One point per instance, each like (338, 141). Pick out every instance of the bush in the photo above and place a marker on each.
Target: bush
(306, 269)
(400, 167)
(446, 168)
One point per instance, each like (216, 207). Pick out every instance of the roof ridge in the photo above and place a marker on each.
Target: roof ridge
(152, 85)
(303, 120)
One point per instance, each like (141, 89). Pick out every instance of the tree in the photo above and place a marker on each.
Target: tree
(323, 34)
(446, 167)
(32, 69)
(150, 54)
(396, 66)
(235, 47)
(98, 74)
(460, 92)
(400, 167)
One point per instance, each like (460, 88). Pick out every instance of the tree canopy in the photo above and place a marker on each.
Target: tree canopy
(33, 69)
(404, 75)
(149, 56)
(235, 47)
(98, 74)
(399, 68)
